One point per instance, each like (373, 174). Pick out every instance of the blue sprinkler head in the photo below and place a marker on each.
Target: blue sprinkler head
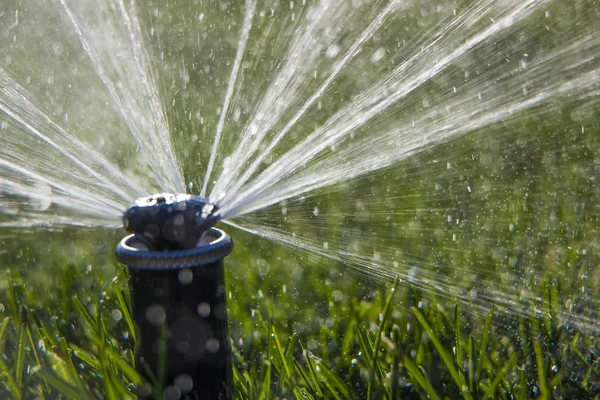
(170, 221)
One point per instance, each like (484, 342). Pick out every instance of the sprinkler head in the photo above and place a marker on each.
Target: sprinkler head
(179, 306)
(167, 221)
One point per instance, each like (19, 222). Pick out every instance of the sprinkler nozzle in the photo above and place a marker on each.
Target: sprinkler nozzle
(167, 221)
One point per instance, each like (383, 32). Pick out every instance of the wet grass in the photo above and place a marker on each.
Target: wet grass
(366, 342)
(302, 327)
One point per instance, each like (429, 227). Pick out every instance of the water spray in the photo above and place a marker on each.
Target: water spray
(175, 259)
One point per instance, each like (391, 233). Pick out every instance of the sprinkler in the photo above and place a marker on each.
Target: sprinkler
(175, 260)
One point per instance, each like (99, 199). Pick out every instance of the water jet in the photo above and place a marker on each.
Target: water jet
(175, 260)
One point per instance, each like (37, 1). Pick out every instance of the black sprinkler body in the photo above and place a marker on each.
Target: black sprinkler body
(175, 259)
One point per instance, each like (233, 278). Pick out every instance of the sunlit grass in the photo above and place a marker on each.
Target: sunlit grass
(385, 344)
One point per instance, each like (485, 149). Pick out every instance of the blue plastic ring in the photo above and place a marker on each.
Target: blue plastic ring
(132, 252)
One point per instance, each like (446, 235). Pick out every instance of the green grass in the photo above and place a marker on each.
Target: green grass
(303, 327)
(389, 344)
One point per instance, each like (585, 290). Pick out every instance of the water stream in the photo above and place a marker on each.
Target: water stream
(451, 145)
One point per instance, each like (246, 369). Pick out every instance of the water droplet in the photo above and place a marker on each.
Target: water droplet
(262, 266)
(171, 393)
(185, 276)
(178, 220)
(42, 200)
(116, 315)
(203, 310)
(212, 345)
(332, 51)
(184, 382)
(152, 231)
(378, 55)
(156, 314)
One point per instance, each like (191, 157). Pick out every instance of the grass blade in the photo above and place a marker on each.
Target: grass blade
(484, 341)
(239, 383)
(284, 370)
(312, 370)
(457, 376)
(85, 313)
(471, 355)
(374, 367)
(20, 361)
(458, 340)
(3, 327)
(126, 312)
(365, 345)
(9, 381)
(500, 376)
(541, 370)
(62, 386)
(422, 381)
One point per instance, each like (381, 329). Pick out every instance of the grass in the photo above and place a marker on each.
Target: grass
(390, 344)
(301, 327)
